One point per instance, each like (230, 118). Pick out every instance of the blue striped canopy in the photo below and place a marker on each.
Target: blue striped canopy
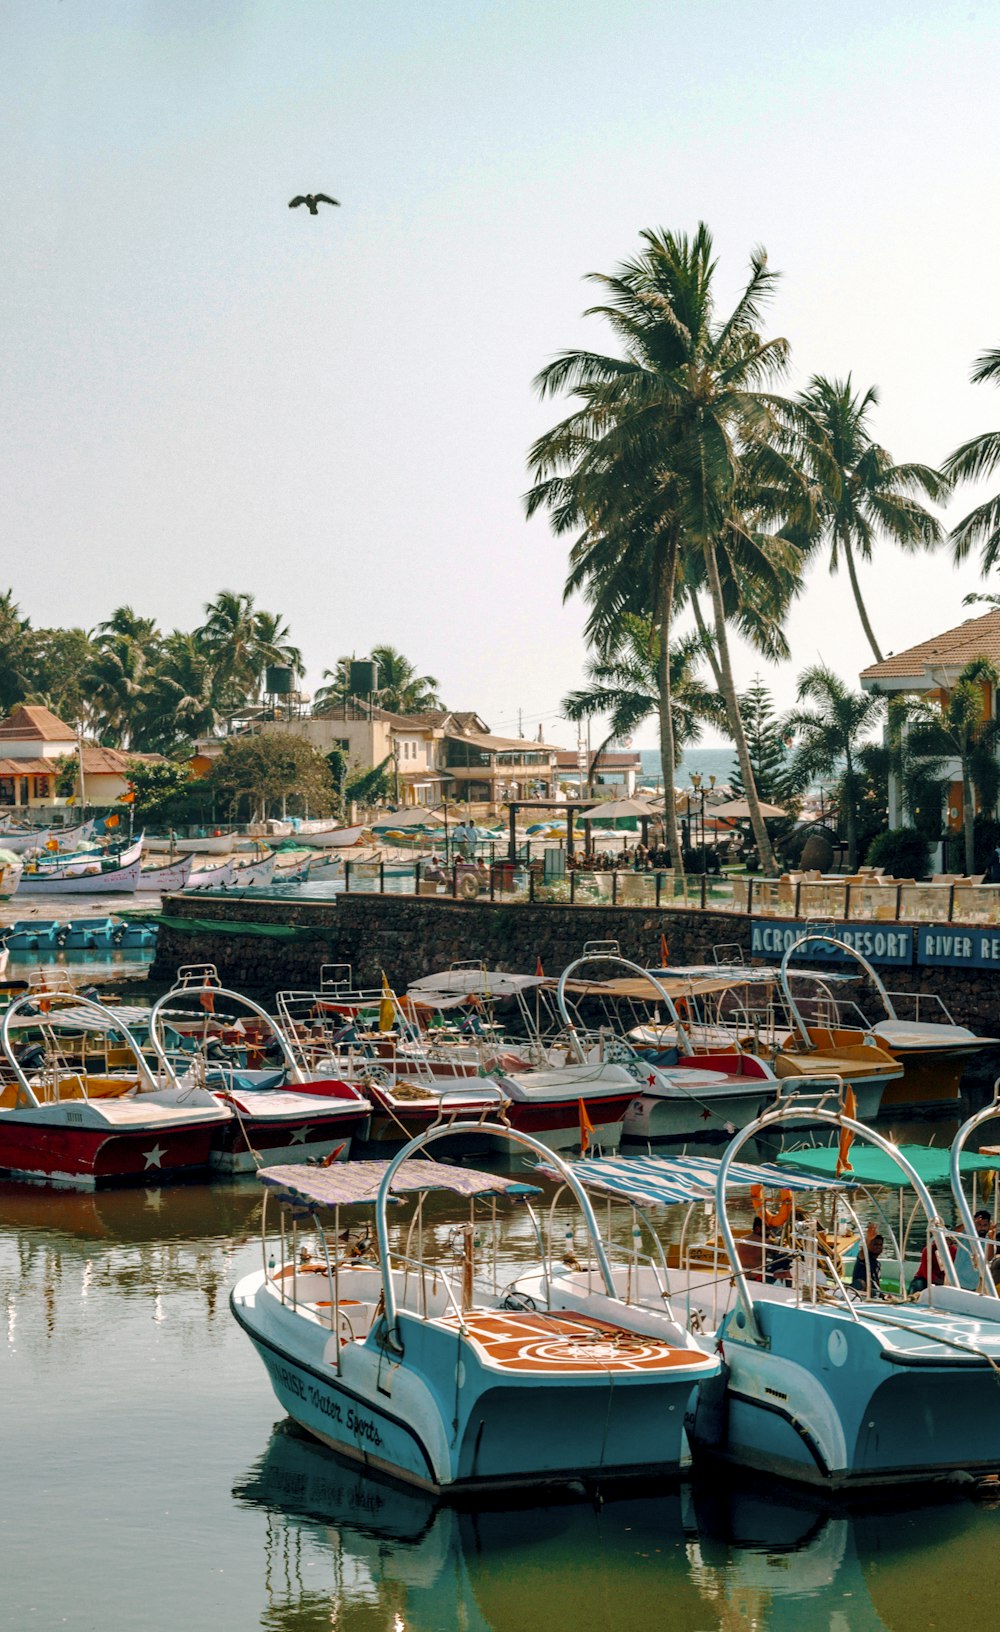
(665, 1181)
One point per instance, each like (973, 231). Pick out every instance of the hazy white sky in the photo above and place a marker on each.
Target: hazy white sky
(205, 390)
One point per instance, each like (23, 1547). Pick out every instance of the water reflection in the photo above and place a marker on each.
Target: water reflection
(347, 1550)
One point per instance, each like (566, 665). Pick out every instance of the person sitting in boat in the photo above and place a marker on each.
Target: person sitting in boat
(919, 1281)
(760, 1257)
(966, 1262)
(867, 1276)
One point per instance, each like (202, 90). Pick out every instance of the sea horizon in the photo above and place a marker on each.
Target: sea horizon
(704, 762)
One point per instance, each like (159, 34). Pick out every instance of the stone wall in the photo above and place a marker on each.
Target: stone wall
(411, 936)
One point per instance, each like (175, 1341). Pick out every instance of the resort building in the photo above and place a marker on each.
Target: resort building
(930, 669)
(36, 747)
(617, 768)
(444, 754)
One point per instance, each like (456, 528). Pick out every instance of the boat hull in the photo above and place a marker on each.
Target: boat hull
(444, 1420)
(838, 1404)
(259, 1134)
(83, 1158)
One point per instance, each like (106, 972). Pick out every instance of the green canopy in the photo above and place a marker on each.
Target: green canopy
(871, 1166)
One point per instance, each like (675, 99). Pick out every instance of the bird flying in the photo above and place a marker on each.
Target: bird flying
(312, 200)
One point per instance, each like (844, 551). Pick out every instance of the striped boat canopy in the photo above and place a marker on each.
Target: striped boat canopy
(664, 1181)
(354, 1184)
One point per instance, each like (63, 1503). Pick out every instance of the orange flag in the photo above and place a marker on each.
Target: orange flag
(111, 821)
(538, 968)
(846, 1137)
(664, 953)
(207, 1001)
(328, 1161)
(586, 1127)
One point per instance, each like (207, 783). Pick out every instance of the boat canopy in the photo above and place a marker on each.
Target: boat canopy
(665, 1181)
(870, 1166)
(675, 983)
(477, 982)
(78, 1018)
(352, 1184)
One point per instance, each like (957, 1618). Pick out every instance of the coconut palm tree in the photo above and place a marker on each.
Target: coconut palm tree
(972, 462)
(625, 686)
(241, 640)
(832, 734)
(274, 645)
(860, 492)
(116, 677)
(128, 624)
(401, 690)
(663, 446)
(180, 700)
(15, 652)
(957, 724)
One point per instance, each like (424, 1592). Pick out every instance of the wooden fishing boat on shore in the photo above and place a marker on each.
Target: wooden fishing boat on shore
(84, 878)
(21, 839)
(160, 880)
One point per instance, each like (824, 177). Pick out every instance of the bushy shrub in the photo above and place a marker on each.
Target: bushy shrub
(902, 851)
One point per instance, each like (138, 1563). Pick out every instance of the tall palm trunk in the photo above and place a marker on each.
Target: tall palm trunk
(709, 644)
(668, 573)
(859, 603)
(728, 688)
(968, 817)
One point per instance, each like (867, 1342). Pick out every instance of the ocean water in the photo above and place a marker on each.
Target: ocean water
(717, 762)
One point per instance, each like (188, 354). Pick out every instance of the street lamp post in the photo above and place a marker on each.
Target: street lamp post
(700, 794)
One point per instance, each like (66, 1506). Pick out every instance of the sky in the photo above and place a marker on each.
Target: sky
(203, 389)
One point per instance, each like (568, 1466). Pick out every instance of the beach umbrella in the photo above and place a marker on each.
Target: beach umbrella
(737, 810)
(415, 819)
(614, 809)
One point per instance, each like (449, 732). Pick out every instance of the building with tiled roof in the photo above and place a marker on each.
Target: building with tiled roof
(930, 669)
(35, 743)
(940, 659)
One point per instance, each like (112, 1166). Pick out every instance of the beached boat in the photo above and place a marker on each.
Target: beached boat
(823, 1384)
(64, 1122)
(427, 1368)
(329, 838)
(160, 880)
(21, 839)
(254, 874)
(11, 868)
(211, 878)
(211, 844)
(207, 1036)
(914, 1027)
(83, 879)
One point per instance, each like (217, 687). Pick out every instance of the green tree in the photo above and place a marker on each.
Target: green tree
(164, 791)
(241, 641)
(58, 673)
(116, 678)
(860, 492)
(625, 686)
(831, 736)
(958, 724)
(15, 652)
(676, 450)
(973, 462)
(253, 776)
(401, 690)
(769, 739)
(181, 698)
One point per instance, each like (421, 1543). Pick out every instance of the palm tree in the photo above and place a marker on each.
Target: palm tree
(401, 690)
(339, 688)
(973, 461)
(625, 686)
(860, 492)
(833, 734)
(115, 679)
(274, 645)
(180, 700)
(674, 452)
(129, 625)
(229, 637)
(958, 725)
(15, 652)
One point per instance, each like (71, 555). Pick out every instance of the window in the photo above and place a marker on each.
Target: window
(40, 788)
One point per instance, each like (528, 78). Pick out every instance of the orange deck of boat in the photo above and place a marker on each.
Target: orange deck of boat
(525, 1340)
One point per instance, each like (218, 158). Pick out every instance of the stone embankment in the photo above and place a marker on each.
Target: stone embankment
(266, 945)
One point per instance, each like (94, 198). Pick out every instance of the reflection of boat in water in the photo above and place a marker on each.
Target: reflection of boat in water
(132, 1215)
(725, 1555)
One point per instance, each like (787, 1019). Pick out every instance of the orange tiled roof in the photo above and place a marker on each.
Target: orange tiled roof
(30, 721)
(976, 637)
(27, 767)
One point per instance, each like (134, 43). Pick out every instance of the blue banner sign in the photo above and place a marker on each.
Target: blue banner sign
(888, 943)
(951, 946)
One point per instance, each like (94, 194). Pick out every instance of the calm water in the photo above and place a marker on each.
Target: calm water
(149, 1484)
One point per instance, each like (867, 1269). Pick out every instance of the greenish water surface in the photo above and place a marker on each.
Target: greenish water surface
(149, 1482)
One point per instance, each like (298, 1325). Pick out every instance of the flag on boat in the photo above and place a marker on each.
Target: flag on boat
(338, 1150)
(386, 1009)
(586, 1127)
(846, 1137)
(664, 952)
(207, 1001)
(539, 971)
(112, 821)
